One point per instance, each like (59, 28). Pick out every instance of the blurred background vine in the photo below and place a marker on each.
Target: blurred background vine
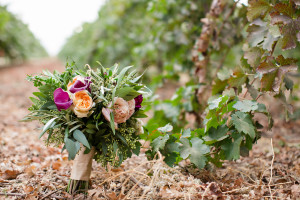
(17, 43)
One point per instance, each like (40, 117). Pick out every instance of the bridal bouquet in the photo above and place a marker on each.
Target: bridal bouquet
(94, 114)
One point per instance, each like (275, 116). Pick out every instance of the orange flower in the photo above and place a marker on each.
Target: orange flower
(82, 103)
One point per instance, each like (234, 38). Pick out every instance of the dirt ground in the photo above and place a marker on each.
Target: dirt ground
(29, 170)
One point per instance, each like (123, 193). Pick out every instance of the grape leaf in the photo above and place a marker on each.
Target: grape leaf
(243, 123)
(246, 105)
(283, 16)
(238, 79)
(257, 31)
(219, 86)
(232, 149)
(166, 128)
(253, 56)
(186, 133)
(273, 76)
(216, 134)
(170, 159)
(159, 142)
(257, 8)
(215, 103)
(196, 152)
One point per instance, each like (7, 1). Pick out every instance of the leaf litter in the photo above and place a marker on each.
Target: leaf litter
(29, 170)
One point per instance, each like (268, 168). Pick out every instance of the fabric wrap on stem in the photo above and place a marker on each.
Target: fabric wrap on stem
(82, 165)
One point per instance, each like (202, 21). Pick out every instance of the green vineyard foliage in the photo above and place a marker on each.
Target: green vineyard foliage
(16, 41)
(242, 53)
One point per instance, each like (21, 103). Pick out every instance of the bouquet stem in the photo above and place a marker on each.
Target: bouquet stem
(81, 172)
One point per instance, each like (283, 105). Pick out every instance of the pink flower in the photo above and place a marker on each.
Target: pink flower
(131, 105)
(62, 99)
(120, 110)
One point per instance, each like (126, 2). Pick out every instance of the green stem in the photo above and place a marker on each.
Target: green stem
(77, 186)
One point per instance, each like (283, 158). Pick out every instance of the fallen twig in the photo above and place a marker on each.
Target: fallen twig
(271, 176)
(13, 194)
(50, 194)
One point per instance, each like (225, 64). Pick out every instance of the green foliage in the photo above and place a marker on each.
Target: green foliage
(222, 138)
(242, 53)
(16, 40)
(230, 128)
(144, 32)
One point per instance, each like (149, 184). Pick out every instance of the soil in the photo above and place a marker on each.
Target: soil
(30, 170)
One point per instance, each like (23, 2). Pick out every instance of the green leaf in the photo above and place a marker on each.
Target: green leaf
(196, 151)
(121, 138)
(48, 125)
(127, 93)
(243, 123)
(40, 95)
(186, 133)
(288, 24)
(246, 105)
(216, 103)
(121, 75)
(72, 148)
(159, 142)
(256, 32)
(232, 149)
(170, 159)
(237, 80)
(166, 128)
(257, 8)
(140, 114)
(214, 135)
(34, 100)
(253, 56)
(219, 86)
(112, 123)
(80, 137)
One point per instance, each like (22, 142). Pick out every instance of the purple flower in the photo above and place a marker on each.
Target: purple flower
(62, 99)
(79, 85)
(138, 102)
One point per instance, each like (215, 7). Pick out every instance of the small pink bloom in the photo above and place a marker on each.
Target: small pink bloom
(131, 105)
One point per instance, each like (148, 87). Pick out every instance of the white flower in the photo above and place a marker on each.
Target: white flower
(139, 126)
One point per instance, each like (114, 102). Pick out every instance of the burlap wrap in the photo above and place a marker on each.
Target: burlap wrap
(82, 165)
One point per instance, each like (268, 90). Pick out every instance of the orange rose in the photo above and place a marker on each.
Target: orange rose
(82, 103)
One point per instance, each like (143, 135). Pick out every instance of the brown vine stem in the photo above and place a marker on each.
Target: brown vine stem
(227, 17)
(248, 88)
(221, 63)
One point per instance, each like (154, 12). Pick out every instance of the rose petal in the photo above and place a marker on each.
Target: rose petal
(79, 85)
(62, 99)
(138, 102)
